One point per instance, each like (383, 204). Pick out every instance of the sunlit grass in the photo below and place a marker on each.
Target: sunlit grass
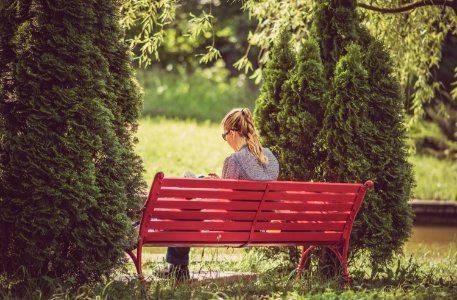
(436, 179)
(205, 94)
(176, 146)
(410, 276)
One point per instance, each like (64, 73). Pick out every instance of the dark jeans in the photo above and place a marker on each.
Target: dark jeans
(178, 255)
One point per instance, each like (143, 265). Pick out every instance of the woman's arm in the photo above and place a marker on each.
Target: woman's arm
(231, 169)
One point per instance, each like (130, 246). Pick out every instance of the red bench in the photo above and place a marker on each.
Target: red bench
(238, 213)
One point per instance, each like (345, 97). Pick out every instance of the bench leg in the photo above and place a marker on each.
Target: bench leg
(139, 253)
(343, 259)
(133, 257)
(304, 255)
(137, 258)
(345, 262)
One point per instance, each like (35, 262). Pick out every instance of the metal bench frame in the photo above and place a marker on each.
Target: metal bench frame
(188, 212)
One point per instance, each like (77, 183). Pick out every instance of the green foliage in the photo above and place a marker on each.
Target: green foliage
(123, 98)
(386, 150)
(205, 94)
(435, 178)
(7, 27)
(427, 138)
(415, 41)
(300, 115)
(335, 27)
(153, 16)
(267, 105)
(345, 122)
(363, 137)
(69, 170)
(362, 134)
(186, 32)
(400, 32)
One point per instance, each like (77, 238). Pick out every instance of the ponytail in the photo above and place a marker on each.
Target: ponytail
(241, 120)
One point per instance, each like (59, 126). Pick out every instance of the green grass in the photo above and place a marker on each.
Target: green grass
(435, 179)
(176, 146)
(207, 94)
(424, 275)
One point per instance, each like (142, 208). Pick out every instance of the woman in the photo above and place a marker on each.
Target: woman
(250, 161)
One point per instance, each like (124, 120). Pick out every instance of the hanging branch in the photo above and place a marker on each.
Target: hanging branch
(444, 3)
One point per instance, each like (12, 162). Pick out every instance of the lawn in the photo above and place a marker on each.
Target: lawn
(425, 274)
(175, 146)
(206, 94)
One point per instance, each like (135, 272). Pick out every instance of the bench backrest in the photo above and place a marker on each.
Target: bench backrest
(224, 212)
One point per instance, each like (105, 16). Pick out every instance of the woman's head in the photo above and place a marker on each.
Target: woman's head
(239, 130)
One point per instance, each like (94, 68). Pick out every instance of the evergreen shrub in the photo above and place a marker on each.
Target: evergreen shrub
(355, 109)
(69, 171)
(267, 105)
(300, 114)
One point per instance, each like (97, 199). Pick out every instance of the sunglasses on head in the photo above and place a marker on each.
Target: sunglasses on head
(224, 135)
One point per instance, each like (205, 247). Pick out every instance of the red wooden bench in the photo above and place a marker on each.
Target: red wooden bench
(238, 213)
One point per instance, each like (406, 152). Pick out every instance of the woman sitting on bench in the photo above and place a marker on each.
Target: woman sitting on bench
(250, 161)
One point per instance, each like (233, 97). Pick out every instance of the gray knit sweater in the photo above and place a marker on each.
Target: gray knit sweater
(244, 165)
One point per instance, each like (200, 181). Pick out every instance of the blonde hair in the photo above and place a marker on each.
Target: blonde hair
(240, 120)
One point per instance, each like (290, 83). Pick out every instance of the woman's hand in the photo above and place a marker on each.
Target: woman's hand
(213, 176)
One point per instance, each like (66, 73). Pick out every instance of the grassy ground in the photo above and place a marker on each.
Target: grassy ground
(207, 94)
(435, 179)
(177, 146)
(419, 275)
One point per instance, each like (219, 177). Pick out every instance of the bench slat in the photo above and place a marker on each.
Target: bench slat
(260, 185)
(248, 205)
(284, 237)
(229, 215)
(213, 183)
(254, 195)
(300, 226)
(241, 237)
(231, 225)
(210, 193)
(307, 196)
(199, 225)
(316, 187)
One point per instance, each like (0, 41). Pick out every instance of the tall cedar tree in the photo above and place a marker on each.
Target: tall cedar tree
(362, 136)
(122, 96)
(299, 120)
(300, 115)
(67, 148)
(386, 215)
(10, 15)
(335, 26)
(384, 222)
(345, 121)
(343, 132)
(267, 105)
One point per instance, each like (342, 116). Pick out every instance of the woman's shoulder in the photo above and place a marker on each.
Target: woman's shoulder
(268, 152)
(232, 158)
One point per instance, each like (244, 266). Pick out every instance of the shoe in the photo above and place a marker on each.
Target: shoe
(176, 272)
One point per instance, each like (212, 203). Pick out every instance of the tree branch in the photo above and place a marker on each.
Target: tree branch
(444, 3)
